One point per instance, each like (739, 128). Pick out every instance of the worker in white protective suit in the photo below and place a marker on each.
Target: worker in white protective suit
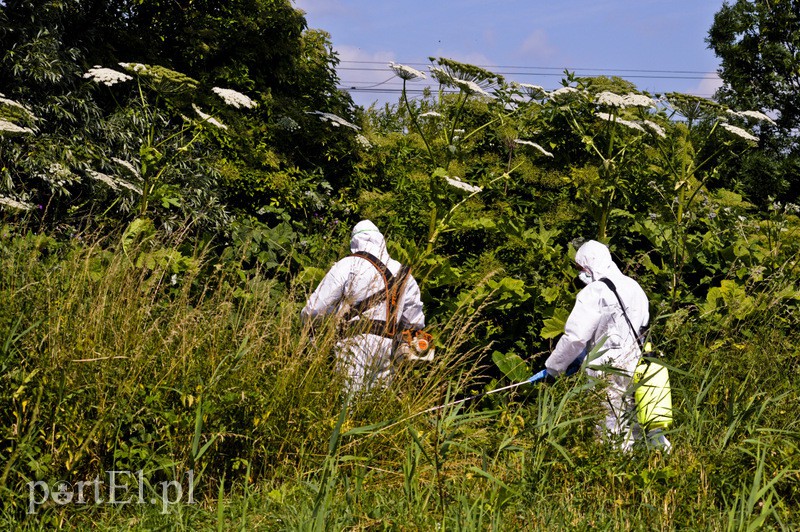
(597, 319)
(374, 297)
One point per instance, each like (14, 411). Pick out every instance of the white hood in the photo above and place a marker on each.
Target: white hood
(367, 237)
(596, 258)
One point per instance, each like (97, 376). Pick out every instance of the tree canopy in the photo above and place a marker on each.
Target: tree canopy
(758, 43)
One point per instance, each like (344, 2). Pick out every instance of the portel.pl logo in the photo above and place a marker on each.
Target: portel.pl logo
(121, 487)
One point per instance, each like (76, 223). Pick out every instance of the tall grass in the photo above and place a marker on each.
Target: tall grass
(107, 365)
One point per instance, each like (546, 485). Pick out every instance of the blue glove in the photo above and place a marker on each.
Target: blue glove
(576, 364)
(542, 376)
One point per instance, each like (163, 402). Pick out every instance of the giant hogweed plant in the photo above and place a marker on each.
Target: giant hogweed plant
(643, 168)
(16, 120)
(164, 161)
(692, 220)
(613, 132)
(471, 107)
(147, 156)
(665, 150)
(441, 126)
(161, 171)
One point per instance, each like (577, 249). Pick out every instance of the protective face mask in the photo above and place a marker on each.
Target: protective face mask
(585, 277)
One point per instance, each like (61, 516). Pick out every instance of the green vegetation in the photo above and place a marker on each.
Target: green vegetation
(159, 236)
(110, 366)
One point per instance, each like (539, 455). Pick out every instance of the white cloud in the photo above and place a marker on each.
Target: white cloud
(320, 7)
(707, 86)
(537, 46)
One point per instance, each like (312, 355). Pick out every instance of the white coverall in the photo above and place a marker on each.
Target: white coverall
(366, 358)
(597, 315)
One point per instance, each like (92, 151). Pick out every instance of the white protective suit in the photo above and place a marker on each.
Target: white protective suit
(365, 357)
(597, 318)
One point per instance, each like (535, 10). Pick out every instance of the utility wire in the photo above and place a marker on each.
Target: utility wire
(561, 69)
(398, 91)
(353, 86)
(648, 74)
(370, 86)
(510, 70)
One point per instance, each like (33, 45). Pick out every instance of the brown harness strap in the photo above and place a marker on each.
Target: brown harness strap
(394, 286)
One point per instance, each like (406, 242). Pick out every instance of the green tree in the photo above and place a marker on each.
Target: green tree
(758, 42)
(278, 157)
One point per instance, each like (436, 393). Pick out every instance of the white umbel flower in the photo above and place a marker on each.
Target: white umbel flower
(12, 103)
(106, 76)
(563, 91)
(136, 67)
(638, 100)
(129, 186)
(629, 100)
(103, 178)
(457, 183)
(431, 114)
(10, 127)
(334, 120)
(531, 87)
(208, 118)
(56, 174)
(739, 132)
(611, 99)
(534, 145)
(113, 183)
(627, 123)
(234, 98)
(658, 130)
(755, 115)
(470, 87)
(363, 141)
(406, 72)
(128, 166)
(14, 204)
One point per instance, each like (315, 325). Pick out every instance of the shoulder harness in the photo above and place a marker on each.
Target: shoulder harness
(606, 281)
(394, 286)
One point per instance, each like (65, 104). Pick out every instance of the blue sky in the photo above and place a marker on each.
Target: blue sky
(657, 44)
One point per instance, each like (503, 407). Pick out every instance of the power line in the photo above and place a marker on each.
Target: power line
(387, 80)
(560, 69)
(398, 91)
(549, 74)
(381, 88)
(394, 85)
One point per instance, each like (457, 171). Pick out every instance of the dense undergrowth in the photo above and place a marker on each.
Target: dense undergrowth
(162, 223)
(109, 366)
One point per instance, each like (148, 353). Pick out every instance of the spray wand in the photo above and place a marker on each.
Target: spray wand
(536, 377)
(541, 375)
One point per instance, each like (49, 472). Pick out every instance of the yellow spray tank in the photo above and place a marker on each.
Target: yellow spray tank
(653, 393)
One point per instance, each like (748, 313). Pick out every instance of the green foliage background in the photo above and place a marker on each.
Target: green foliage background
(149, 319)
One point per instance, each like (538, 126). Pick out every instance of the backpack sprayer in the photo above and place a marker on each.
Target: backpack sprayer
(652, 391)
